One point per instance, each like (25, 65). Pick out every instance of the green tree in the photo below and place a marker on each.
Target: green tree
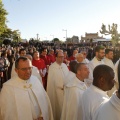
(11, 34)
(56, 40)
(111, 30)
(3, 19)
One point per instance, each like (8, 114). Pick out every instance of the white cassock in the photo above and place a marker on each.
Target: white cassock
(24, 100)
(69, 77)
(110, 64)
(72, 109)
(109, 110)
(91, 99)
(55, 84)
(35, 72)
(91, 65)
(86, 61)
(116, 73)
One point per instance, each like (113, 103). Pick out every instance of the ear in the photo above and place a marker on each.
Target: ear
(16, 70)
(101, 81)
(96, 52)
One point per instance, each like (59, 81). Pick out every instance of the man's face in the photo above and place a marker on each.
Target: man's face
(22, 53)
(80, 58)
(75, 52)
(52, 52)
(24, 69)
(109, 82)
(60, 57)
(110, 55)
(36, 55)
(84, 72)
(44, 52)
(100, 55)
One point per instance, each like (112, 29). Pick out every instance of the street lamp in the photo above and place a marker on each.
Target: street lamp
(66, 36)
(37, 36)
(66, 33)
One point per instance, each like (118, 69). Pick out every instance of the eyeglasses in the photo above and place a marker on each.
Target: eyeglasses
(25, 69)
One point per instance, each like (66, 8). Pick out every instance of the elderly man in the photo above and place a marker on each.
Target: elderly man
(110, 110)
(79, 58)
(23, 97)
(72, 108)
(56, 77)
(103, 81)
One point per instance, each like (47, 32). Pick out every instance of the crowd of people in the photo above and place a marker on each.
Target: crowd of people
(59, 83)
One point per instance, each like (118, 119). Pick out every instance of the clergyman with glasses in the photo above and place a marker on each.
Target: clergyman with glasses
(23, 96)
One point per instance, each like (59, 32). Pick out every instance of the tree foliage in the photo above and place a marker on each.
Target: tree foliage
(5, 32)
(3, 14)
(56, 40)
(111, 30)
(14, 35)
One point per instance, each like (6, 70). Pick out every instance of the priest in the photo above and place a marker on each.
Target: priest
(23, 97)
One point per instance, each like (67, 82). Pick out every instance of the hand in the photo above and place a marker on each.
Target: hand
(41, 74)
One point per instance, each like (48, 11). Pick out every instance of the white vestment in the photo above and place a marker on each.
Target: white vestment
(69, 77)
(116, 73)
(109, 110)
(35, 72)
(72, 109)
(86, 61)
(92, 64)
(55, 84)
(110, 64)
(16, 100)
(91, 99)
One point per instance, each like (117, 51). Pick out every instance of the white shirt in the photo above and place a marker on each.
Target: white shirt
(91, 99)
(109, 110)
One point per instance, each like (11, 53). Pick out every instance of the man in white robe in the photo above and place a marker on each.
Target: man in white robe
(23, 97)
(116, 73)
(91, 99)
(79, 57)
(97, 60)
(72, 109)
(108, 58)
(110, 110)
(55, 84)
(108, 61)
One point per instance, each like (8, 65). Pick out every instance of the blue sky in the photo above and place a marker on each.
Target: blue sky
(49, 17)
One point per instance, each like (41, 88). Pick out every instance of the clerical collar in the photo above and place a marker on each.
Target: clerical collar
(98, 59)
